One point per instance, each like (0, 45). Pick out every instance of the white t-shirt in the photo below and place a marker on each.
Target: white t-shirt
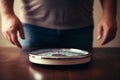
(57, 14)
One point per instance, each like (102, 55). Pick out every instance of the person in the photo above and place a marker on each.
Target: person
(57, 23)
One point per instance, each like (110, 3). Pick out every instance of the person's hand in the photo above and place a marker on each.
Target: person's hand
(106, 30)
(10, 27)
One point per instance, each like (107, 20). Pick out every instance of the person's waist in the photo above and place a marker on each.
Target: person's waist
(59, 27)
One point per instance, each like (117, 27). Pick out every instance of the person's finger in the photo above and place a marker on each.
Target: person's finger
(21, 32)
(14, 39)
(7, 36)
(99, 32)
(105, 35)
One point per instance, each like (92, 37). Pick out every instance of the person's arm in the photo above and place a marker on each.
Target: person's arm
(10, 23)
(107, 27)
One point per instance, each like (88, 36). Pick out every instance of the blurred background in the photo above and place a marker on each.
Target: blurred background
(97, 15)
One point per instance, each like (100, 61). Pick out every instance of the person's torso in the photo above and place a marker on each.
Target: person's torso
(58, 13)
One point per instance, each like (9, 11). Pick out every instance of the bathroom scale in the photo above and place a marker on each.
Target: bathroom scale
(59, 56)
